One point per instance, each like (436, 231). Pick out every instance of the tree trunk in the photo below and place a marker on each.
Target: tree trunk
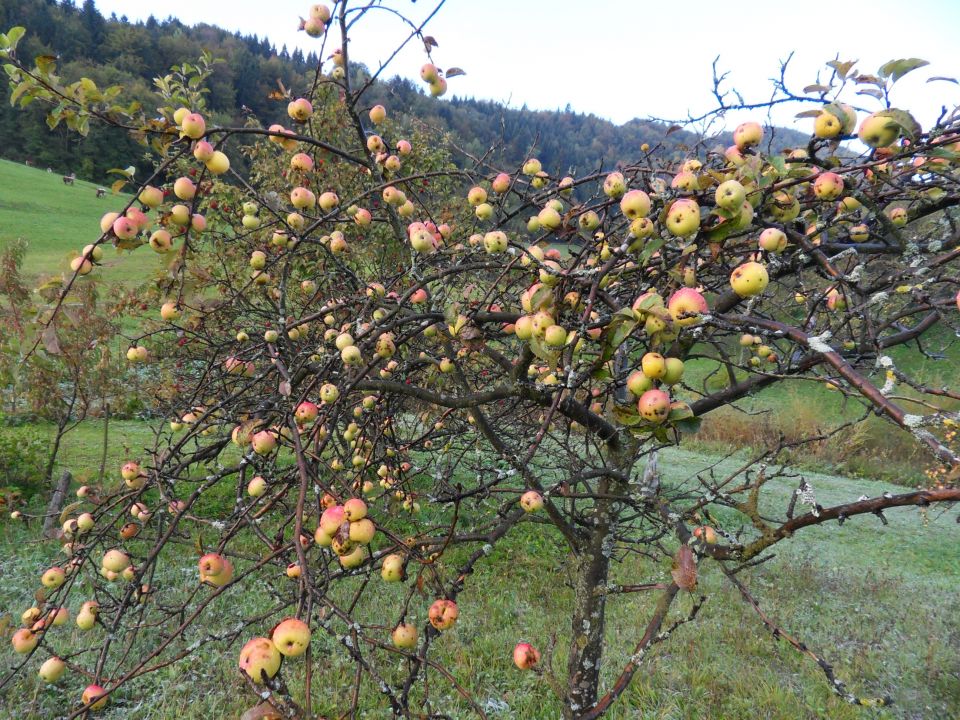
(55, 507)
(589, 615)
(592, 572)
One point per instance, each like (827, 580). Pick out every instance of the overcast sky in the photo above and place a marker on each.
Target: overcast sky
(621, 59)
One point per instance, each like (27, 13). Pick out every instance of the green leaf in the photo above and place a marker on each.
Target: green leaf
(540, 296)
(896, 69)
(627, 415)
(907, 123)
(650, 248)
(46, 63)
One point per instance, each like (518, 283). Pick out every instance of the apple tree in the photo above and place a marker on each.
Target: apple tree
(379, 360)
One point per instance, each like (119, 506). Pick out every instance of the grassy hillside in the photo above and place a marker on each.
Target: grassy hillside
(877, 600)
(58, 220)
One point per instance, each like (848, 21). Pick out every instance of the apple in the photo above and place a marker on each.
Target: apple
(404, 147)
(115, 560)
(443, 614)
(218, 163)
(673, 372)
(686, 305)
(898, 216)
(169, 311)
(194, 126)
(747, 135)
(525, 656)
(828, 186)
(355, 558)
(184, 188)
(260, 659)
(203, 151)
(291, 637)
(354, 509)
(300, 109)
(705, 533)
(654, 365)
(495, 242)
(685, 181)
(306, 412)
(501, 183)
(351, 355)
(53, 578)
(303, 199)
(378, 113)
(331, 519)
(635, 204)
(256, 487)
(614, 185)
(362, 531)
(52, 669)
(438, 87)
(859, 233)
(683, 217)
(329, 393)
(638, 383)
(730, 195)
(878, 131)
(749, 279)
(531, 167)
(150, 196)
(24, 641)
(827, 125)
(392, 569)
(654, 405)
(531, 501)
(95, 696)
(161, 241)
(555, 336)
(836, 300)
(81, 266)
(125, 228)
(773, 240)
(429, 73)
(131, 473)
(404, 636)
(263, 442)
(783, 206)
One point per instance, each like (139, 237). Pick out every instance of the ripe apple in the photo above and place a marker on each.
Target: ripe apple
(429, 73)
(638, 383)
(306, 412)
(53, 578)
(443, 614)
(747, 135)
(654, 405)
(614, 185)
(531, 501)
(378, 113)
(438, 87)
(686, 305)
(95, 696)
(260, 658)
(749, 279)
(525, 656)
(827, 125)
(52, 669)
(291, 637)
(878, 131)
(194, 126)
(654, 365)
(354, 509)
(300, 109)
(24, 641)
(125, 228)
(362, 531)
(150, 196)
(132, 474)
(773, 240)
(115, 560)
(495, 242)
(184, 188)
(256, 487)
(263, 442)
(404, 636)
(81, 266)
(730, 195)
(501, 183)
(705, 533)
(828, 186)
(674, 371)
(331, 519)
(392, 569)
(218, 163)
(898, 216)
(635, 204)
(683, 217)
(161, 241)
(203, 151)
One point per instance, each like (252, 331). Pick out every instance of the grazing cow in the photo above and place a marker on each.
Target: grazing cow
(28, 162)
(101, 192)
(68, 179)
(49, 169)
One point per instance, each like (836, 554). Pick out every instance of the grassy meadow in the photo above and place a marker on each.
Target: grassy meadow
(879, 602)
(57, 220)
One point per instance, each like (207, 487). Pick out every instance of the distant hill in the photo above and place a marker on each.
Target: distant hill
(115, 51)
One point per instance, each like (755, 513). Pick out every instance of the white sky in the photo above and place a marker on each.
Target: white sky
(621, 59)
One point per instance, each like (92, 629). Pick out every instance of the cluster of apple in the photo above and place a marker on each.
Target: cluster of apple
(759, 351)
(261, 657)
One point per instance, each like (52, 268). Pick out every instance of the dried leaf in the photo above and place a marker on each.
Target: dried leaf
(684, 571)
(262, 711)
(50, 341)
(842, 67)
(285, 388)
(944, 79)
(817, 88)
(454, 71)
(430, 42)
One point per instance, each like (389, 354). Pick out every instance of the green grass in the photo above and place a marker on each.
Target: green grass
(57, 220)
(878, 601)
